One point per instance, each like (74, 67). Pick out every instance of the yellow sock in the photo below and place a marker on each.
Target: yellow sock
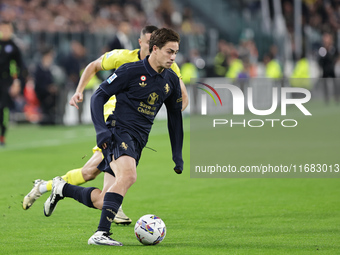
(74, 177)
(49, 185)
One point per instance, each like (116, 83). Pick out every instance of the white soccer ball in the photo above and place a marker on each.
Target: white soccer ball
(150, 229)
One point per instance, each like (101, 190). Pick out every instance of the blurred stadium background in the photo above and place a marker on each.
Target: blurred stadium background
(273, 42)
(275, 39)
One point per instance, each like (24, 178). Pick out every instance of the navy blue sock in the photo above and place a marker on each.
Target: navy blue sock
(112, 202)
(81, 194)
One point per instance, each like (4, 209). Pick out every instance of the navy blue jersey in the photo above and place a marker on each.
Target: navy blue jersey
(140, 93)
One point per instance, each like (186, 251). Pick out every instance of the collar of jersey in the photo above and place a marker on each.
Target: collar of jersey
(150, 70)
(138, 54)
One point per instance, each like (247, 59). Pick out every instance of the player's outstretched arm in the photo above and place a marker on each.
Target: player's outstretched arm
(185, 98)
(90, 70)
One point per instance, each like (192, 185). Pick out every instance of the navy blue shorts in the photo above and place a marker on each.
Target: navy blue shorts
(121, 144)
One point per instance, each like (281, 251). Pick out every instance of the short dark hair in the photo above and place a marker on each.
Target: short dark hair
(148, 29)
(162, 36)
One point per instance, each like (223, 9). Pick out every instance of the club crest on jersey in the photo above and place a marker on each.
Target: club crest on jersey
(153, 98)
(111, 78)
(124, 146)
(167, 88)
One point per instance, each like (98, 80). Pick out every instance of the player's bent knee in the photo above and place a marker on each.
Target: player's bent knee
(129, 177)
(133, 178)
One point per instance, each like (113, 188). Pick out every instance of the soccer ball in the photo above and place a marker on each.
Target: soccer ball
(150, 229)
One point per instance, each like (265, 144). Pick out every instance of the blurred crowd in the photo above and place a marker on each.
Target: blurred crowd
(320, 15)
(52, 74)
(320, 30)
(94, 16)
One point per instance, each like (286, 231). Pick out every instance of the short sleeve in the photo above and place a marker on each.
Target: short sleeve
(109, 60)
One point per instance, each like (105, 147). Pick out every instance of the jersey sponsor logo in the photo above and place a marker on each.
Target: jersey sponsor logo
(143, 78)
(147, 109)
(124, 146)
(111, 78)
(153, 98)
(167, 88)
(143, 84)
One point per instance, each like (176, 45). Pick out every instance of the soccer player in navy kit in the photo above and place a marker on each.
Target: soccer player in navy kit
(109, 60)
(140, 88)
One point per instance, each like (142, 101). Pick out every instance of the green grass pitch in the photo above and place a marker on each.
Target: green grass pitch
(203, 216)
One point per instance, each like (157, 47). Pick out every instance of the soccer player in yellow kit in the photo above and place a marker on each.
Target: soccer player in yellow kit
(108, 61)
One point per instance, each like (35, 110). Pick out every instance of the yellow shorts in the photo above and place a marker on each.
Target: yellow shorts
(96, 148)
